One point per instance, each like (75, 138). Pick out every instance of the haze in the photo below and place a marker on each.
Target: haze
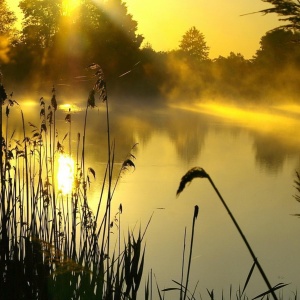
(163, 22)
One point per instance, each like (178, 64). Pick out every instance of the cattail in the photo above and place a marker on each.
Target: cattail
(196, 211)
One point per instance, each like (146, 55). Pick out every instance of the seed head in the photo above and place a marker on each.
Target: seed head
(189, 176)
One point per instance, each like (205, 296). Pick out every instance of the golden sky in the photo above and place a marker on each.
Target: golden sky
(163, 23)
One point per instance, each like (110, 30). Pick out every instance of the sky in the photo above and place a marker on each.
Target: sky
(164, 22)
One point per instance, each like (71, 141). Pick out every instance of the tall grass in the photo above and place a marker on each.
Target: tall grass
(197, 172)
(53, 246)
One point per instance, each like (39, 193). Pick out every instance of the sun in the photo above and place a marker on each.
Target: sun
(65, 174)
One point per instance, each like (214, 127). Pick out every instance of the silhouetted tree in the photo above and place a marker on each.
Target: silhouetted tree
(278, 48)
(7, 19)
(57, 44)
(41, 21)
(277, 64)
(7, 31)
(288, 10)
(231, 75)
(193, 45)
(108, 33)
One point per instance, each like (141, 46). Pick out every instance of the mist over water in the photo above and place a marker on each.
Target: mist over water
(252, 156)
(237, 118)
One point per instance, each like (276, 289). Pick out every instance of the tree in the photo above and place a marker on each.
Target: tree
(7, 19)
(278, 48)
(193, 45)
(7, 31)
(276, 64)
(289, 10)
(41, 21)
(108, 33)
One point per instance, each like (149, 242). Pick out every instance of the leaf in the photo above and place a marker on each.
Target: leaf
(68, 118)
(171, 289)
(59, 147)
(37, 134)
(138, 278)
(65, 136)
(276, 287)
(30, 124)
(131, 155)
(211, 294)
(248, 277)
(3, 94)
(159, 294)
(93, 172)
(43, 127)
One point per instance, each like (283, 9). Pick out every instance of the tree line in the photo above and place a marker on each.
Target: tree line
(54, 45)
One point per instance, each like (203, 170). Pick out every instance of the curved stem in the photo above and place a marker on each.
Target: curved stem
(244, 239)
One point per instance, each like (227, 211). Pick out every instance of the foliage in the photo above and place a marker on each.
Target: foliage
(7, 19)
(193, 45)
(278, 48)
(53, 246)
(198, 172)
(55, 45)
(289, 10)
(41, 21)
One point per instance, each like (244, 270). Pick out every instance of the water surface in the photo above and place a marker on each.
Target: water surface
(252, 158)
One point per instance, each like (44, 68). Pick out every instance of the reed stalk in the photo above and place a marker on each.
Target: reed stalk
(199, 172)
(196, 210)
(52, 246)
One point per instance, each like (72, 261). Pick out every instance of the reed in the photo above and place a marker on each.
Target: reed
(183, 289)
(198, 172)
(53, 246)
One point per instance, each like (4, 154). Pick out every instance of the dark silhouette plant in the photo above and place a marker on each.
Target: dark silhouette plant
(53, 246)
(198, 172)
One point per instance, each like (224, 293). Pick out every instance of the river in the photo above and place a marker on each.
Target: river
(252, 157)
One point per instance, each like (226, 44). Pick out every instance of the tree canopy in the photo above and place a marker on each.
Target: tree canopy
(53, 40)
(56, 44)
(41, 21)
(278, 47)
(193, 45)
(7, 19)
(288, 10)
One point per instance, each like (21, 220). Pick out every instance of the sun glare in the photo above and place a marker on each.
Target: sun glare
(65, 174)
(70, 6)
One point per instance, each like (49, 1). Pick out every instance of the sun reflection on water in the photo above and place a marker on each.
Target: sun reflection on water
(65, 174)
(69, 107)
